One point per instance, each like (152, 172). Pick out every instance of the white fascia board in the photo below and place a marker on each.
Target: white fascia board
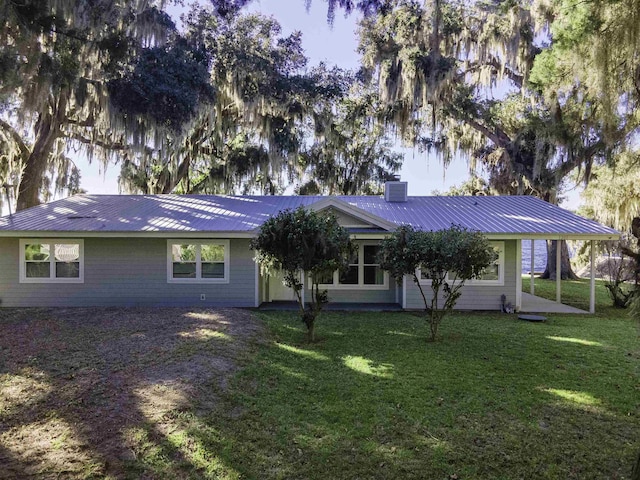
(552, 236)
(92, 234)
(369, 236)
(349, 209)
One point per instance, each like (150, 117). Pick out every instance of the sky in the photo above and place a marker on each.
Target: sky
(334, 45)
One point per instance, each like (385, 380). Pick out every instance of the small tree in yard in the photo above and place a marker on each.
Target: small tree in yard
(304, 241)
(447, 257)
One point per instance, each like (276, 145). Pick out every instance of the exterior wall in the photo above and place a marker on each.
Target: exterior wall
(475, 297)
(347, 220)
(362, 294)
(359, 295)
(127, 272)
(133, 272)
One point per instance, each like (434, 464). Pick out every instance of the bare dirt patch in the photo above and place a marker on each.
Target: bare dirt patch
(74, 383)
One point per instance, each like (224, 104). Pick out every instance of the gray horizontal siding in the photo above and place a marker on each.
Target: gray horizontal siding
(360, 295)
(476, 297)
(127, 272)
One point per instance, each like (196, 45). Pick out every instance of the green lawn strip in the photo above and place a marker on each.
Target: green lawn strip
(493, 398)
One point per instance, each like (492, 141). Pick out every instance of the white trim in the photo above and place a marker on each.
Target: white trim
(552, 236)
(198, 260)
(369, 236)
(52, 262)
(592, 279)
(558, 272)
(404, 292)
(532, 285)
(344, 207)
(149, 234)
(519, 275)
(499, 246)
(336, 285)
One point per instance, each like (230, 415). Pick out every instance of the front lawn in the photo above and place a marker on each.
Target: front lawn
(493, 398)
(121, 393)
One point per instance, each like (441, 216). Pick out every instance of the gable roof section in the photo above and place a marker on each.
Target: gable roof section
(507, 216)
(352, 211)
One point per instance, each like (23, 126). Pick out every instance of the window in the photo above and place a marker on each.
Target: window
(202, 261)
(492, 275)
(363, 272)
(351, 275)
(51, 260)
(372, 273)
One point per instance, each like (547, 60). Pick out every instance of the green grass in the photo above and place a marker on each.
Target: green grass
(494, 397)
(173, 394)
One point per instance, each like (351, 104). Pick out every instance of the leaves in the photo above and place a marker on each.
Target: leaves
(448, 258)
(305, 242)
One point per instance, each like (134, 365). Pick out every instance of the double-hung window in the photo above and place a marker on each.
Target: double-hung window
(492, 275)
(51, 261)
(199, 261)
(363, 272)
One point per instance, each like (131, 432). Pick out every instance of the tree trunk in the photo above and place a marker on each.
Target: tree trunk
(47, 131)
(566, 272)
(311, 334)
(635, 473)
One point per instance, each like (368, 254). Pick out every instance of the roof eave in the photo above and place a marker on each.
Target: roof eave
(129, 234)
(553, 236)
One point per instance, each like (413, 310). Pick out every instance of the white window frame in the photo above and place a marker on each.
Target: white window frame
(198, 278)
(499, 247)
(336, 285)
(52, 260)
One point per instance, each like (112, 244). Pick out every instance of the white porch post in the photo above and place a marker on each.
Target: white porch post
(592, 280)
(518, 274)
(533, 259)
(558, 271)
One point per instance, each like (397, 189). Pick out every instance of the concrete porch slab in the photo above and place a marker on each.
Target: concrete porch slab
(533, 304)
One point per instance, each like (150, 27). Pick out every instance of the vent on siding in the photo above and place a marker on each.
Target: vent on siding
(395, 191)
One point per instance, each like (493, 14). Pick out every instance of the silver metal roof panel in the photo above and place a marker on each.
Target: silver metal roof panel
(521, 215)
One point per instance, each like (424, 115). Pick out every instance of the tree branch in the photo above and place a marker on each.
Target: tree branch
(24, 149)
(499, 138)
(96, 142)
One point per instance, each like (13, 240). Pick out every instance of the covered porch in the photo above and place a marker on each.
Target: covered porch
(528, 302)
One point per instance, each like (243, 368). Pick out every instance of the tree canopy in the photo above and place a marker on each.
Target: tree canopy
(529, 91)
(56, 61)
(225, 105)
(445, 259)
(303, 242)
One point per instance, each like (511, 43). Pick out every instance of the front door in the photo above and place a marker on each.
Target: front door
(278, 290)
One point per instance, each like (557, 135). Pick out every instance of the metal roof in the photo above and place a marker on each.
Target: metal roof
(509, 215)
